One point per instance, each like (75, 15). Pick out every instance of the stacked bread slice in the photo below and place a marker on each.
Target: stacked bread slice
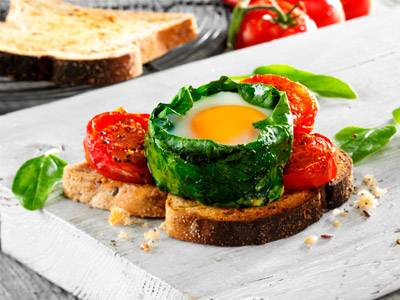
(57, 41)
(188, 220)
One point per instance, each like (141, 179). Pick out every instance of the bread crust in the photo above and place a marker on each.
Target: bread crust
(66, 72)
(82, 184)
(340, 189)
(193, 222)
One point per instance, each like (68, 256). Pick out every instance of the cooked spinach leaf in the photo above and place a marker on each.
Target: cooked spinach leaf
(36, 179)
(360, 142)
(323, 85)
(217, 174)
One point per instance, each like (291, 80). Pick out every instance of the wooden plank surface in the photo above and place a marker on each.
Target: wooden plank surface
(42, 289)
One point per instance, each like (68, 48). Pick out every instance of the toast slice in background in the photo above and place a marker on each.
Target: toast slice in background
(193, 222)
(57, 41)
(83, 184)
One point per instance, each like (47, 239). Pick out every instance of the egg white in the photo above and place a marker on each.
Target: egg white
(183, 124)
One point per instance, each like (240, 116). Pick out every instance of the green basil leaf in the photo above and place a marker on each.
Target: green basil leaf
(396, 115)
(36, 179)
(323, 85)
(360, 142)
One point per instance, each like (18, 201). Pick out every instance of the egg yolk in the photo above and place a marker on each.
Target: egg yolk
(227, 124)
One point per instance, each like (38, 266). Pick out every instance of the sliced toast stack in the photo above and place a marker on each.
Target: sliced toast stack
(191, 221)
(57, 41)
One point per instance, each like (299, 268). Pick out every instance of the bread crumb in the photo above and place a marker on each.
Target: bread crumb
(310, 240)
(398, 242)
(147, 246)
(365, 201)
(379, 192)
(153, 234)
(162, 226)
(372, 185)
(369, 181)
(118, 216)
(339, 212)
(145, 225)
(123, 235)
(336, 223)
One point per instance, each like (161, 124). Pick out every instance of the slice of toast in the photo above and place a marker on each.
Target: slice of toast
(193, 222)
(57, 41)
(82, 184)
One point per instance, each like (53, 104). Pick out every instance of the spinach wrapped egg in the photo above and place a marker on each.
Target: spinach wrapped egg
(223, 143)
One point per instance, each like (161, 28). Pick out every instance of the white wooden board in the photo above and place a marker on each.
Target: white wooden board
(70, 243)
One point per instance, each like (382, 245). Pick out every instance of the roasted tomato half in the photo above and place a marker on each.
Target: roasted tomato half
(114, 146)
(303, 104)
(312, 164)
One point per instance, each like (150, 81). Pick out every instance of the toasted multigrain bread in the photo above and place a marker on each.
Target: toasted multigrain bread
(57, 41)
(81, 183)
(191, 221)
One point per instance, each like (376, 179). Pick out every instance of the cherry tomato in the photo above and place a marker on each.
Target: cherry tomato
(322, 12)
(262, 25)
(114, 146)
(356, 8)
(303, 104)
(312, 163)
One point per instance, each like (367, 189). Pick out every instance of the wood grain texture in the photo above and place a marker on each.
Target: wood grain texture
(359, 263)
(19, 282)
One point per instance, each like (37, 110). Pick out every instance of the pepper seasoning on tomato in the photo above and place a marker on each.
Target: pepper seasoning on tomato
(114, 146)
(259, 21)
(322, 12)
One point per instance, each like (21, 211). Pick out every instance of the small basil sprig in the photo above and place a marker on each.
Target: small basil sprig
(36, 179)
(323, 85)
(360, 142)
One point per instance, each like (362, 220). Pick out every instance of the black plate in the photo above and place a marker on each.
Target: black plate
(212, 20)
